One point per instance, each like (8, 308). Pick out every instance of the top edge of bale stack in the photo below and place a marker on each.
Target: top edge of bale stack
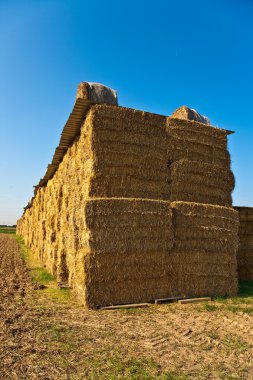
(91, 94)
(189, 115)
(87, 95)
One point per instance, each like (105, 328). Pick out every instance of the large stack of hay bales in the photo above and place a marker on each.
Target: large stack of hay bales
(120, 153)
(245, 251)
(104, 220)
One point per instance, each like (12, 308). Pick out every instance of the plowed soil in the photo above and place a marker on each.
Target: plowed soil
(46, 337)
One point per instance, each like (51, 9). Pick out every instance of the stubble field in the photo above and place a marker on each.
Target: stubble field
(45, 334)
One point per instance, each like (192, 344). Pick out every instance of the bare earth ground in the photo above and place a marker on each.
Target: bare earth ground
(44, 334)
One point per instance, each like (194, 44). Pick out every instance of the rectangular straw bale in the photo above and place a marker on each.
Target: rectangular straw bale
(245, 250)
(197, 171)
(205, 248)
(215, 136)
(196, 142)
(196, 151)
(201, 182)
(129, 149)
(127, 256)
(192, 193)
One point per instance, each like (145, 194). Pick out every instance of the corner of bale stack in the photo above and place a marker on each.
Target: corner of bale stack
(245, 250)
(126, 259)
(206, 241)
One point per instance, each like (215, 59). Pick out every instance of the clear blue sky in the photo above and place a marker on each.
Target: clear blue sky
(158, 55)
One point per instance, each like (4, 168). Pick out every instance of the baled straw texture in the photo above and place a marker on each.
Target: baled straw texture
(205, 248)
(245, 251)
(51, 226)
(200, 182)
(195, 141)
(119, 250)
(129, 148)
(119, 153)
(127, 256)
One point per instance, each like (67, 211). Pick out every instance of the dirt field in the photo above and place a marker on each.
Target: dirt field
(45, 335)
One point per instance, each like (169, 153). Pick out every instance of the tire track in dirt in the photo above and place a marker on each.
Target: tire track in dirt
(195, 342)
(19, 349)
(35, 334)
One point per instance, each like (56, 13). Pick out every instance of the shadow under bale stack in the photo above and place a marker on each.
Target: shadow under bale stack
(245, 251)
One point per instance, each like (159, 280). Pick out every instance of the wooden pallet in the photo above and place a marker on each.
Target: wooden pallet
(167, 300)
(63, 285)
(194, 300)
(128, 306)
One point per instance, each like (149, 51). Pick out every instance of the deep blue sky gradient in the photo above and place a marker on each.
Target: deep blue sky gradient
(158, 55)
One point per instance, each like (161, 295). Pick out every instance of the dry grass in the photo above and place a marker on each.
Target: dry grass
(47, 336)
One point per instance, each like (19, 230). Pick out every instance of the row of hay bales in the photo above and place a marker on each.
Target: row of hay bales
(138, 209)
(134, 250)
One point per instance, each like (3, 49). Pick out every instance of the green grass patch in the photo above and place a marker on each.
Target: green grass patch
(243, 302)
(116, 368)
(40, 275)
(241, 309)
(7, 230)
(55, 294)
(220, 299)
(210, 307)
(233, 343)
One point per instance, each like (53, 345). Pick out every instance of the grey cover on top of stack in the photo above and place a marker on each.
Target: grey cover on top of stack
(97, 93)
